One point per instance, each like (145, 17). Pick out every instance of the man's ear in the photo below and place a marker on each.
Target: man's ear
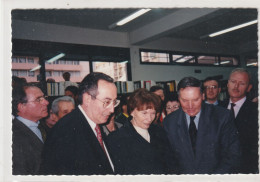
(249, 87)
(20, 107)
(86, 98)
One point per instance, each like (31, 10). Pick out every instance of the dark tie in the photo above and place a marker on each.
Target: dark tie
(232, 109)
(99, 137)
(43, 132)
(193, 133)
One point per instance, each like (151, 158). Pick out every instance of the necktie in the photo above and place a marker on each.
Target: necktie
(193, 133)
(43, 132)
(232, 109)
(99, 137)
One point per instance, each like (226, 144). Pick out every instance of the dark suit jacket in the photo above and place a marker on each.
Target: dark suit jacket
(26, 148)
(217, 145)
(72, 148)
(247, 126)
(132, 154)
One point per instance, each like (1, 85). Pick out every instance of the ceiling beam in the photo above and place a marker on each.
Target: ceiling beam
(173, 22)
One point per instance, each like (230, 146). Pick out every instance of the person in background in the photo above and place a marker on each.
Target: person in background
(140, 147)
(160, 92)
(18, 82)
(72, 91)
(246, 118)
(122, 115)
(59, 108)
(67, 82)
(172, 104)
(111, 125)
(211, 90)
(204, 137)
(29, 106)
(75, 145)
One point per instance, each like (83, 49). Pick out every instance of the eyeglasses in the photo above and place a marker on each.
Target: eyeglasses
(211, 87)
(108, 103)
(171, 107)
(40, 99)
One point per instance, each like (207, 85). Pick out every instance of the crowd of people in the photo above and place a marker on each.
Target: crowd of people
(91, 131)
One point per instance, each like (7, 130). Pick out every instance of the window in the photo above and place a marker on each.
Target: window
(30, 60)
(76, 62)
(62, 62)
(118, 71)
(211, 60)
(31, 73)
(183, 59)
(69, 62)
(251, 62)
(22, 73)
(22, 60)
(155, 57)
(48, 73)
(15, 73)
(14, 60)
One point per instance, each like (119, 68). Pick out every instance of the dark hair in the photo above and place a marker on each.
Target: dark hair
(155, 88)
(189, 82)
(143, 99)
(19, 96)
(210, 79)
(18, 82)
(66, 76)
(90, 84)
(72, 89)
(172, 97)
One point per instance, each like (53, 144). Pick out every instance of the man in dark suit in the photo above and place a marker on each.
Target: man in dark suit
(203, 137)
(211, 90)
(246, 118)
(29, 106)
(75, 146)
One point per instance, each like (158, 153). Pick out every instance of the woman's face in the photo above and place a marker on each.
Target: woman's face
(143, 118)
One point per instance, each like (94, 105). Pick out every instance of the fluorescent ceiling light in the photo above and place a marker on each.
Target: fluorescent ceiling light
(233, 28)
(252, 64)
(36, 68)
(49, 61)
(129, 18)
(124, 62)
(224, 62)
(56, 58)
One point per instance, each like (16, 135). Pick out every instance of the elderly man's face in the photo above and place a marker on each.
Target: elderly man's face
(107, 92)
(65, 108)
(190, 99)
(36, 106)
(238, 85)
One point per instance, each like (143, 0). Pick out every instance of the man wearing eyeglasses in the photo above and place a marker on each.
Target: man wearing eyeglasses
(29, 106)
(75, 145)
(211, 90)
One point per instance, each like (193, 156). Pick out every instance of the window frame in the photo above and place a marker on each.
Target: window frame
(196, 55)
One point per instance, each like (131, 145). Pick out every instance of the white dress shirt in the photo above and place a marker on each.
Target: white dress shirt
(237, 106)
(93, 126)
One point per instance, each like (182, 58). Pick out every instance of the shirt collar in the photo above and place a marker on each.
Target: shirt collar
(215, 103)
(28, 122)
(238, 103)
(90, 122)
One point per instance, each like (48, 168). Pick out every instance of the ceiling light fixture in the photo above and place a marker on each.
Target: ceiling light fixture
(49, 61)
(252, 64)
(230, 29)
(129, 18)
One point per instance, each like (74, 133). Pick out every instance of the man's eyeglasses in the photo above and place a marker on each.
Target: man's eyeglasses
(171, 107)
(40, 99)
(211, 87)
(108, 103)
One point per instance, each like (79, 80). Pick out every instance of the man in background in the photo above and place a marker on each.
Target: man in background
(29, 106)
(203, 137)
(75, 145)
(246, 118)
(211, 90)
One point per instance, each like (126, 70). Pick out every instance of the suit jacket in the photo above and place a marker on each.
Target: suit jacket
(26, 148)
(132, 154)
(217, 145)
(246, 122)
(72, 148)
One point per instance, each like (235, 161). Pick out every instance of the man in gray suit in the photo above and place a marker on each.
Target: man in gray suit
(203, 137)
(29, 106)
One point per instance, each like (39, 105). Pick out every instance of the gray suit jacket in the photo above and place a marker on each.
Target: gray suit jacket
(26, 148)
(217, 145)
